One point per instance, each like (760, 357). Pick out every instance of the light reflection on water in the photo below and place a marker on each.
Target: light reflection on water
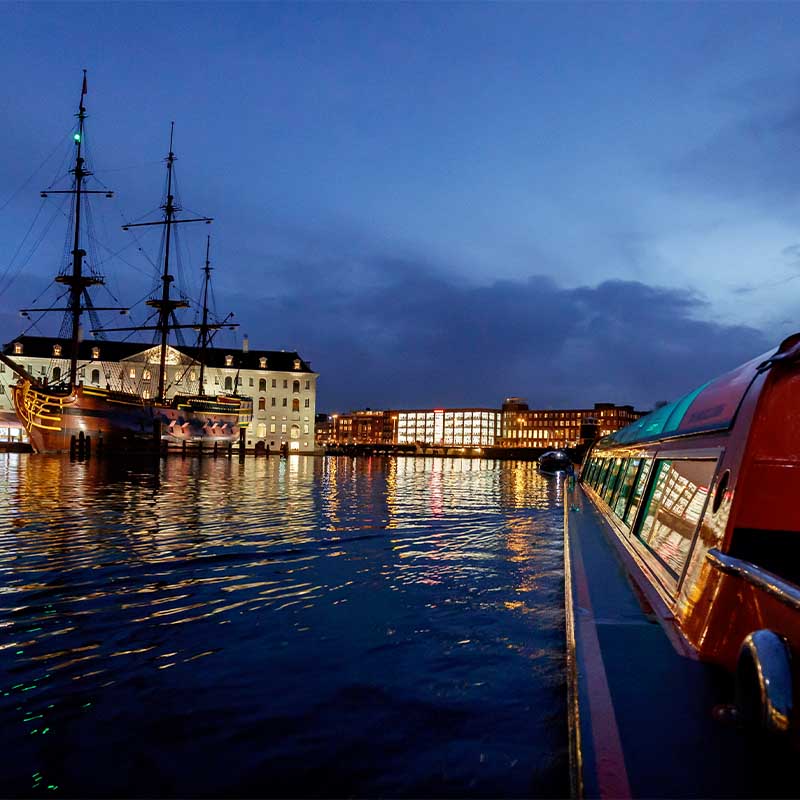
(300, 627)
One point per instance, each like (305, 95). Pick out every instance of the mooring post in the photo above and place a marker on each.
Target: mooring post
(81, 445)
(72, 446)
(183, 449)
(88, 443)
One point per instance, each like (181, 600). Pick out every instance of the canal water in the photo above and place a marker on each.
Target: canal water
(298, 627)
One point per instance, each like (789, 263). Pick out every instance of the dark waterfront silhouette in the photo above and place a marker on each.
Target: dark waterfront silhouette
(300, 627)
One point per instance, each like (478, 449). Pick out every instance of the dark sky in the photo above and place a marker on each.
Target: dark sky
(436, 204)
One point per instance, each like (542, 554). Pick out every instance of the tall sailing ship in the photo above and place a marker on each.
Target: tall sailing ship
(56, 414)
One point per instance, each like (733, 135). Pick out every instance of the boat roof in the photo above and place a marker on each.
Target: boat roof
(710, 407)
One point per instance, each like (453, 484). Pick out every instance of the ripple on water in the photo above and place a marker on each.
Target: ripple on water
(300, 627)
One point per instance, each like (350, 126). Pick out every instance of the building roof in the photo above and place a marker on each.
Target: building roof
(42, 347)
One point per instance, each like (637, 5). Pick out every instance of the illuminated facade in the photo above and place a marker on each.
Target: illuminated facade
(452, 427)
(554, 428)
(515, 425)
(282, 386)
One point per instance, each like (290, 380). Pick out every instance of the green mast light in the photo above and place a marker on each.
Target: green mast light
(77, 137)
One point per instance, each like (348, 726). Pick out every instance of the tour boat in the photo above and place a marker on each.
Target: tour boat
(55, 414)
(698, 503)
(555, 461)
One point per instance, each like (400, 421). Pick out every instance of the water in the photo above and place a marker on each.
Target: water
(281, 628)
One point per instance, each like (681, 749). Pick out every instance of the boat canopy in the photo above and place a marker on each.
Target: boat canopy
(710, 407)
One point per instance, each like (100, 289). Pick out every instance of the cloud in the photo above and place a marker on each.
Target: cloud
(387, 333)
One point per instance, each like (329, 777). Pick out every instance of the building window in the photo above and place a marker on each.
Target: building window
(308, 384)
(273, 401)
(272, 427)
(297, 363)
(228, 361)
(216, 380)
(283, 427)
(2, 388)
(132, 372)
(307, 403)
(96, 377)
(262, 403)
(262, 362)
(262, 385)
(295, 387)
(285, 403)
(285, 384)
(238, 381)
(251, 382)
(274, 383)
(305, 428)
(56, 373)
(261, 431)
(228, 383)
(17, 348)
(295, 405)
(192, 376)
(146, 394)
(56, 350)
(146, 375)
(95, 353)
(295, 432)
(42, 370)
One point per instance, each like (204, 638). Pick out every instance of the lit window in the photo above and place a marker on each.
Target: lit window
(146, 375)
(56, 350)
(132, 372)
(297, 363)
(295, 432)
(262, 362)
(95, 352)
(283, 427)
(17, 348)
(192, 376)
(228, 361)
(146, 394)
(272, 427)
(261, 431)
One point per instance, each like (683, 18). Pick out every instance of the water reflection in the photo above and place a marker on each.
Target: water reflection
(268, 628)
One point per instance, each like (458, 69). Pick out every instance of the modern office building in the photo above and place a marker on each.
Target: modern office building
(281, 384)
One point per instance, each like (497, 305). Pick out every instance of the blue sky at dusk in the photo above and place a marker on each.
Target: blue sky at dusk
(435, 204)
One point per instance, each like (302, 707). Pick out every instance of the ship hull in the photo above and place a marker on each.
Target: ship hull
(117, 421)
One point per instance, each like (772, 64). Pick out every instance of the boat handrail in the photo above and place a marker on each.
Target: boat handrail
(767, 581)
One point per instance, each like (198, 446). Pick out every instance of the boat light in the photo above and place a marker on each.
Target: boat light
(77, 137)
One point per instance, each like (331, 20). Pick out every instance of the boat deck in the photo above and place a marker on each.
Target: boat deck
(640, 709)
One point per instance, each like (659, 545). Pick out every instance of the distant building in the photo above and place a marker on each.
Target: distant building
(451, 427)
(514, 425)
(282, 386)
(554, 428)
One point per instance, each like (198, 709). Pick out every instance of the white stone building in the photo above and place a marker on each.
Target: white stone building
(282, 386)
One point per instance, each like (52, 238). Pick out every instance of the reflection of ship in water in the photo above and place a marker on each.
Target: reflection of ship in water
(56, 413)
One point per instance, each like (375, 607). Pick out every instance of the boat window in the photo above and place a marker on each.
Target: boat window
(625, 486)
(611, 480)
(638, 492)
(674, 508)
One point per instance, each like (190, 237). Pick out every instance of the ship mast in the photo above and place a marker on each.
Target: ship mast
(204, 327)
(77, 282)
(165, 305)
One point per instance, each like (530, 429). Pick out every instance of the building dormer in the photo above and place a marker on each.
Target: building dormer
(95, 353)
(228, 361)
(17, 348)
(297, 363)
(262, 362)
(56, 350)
